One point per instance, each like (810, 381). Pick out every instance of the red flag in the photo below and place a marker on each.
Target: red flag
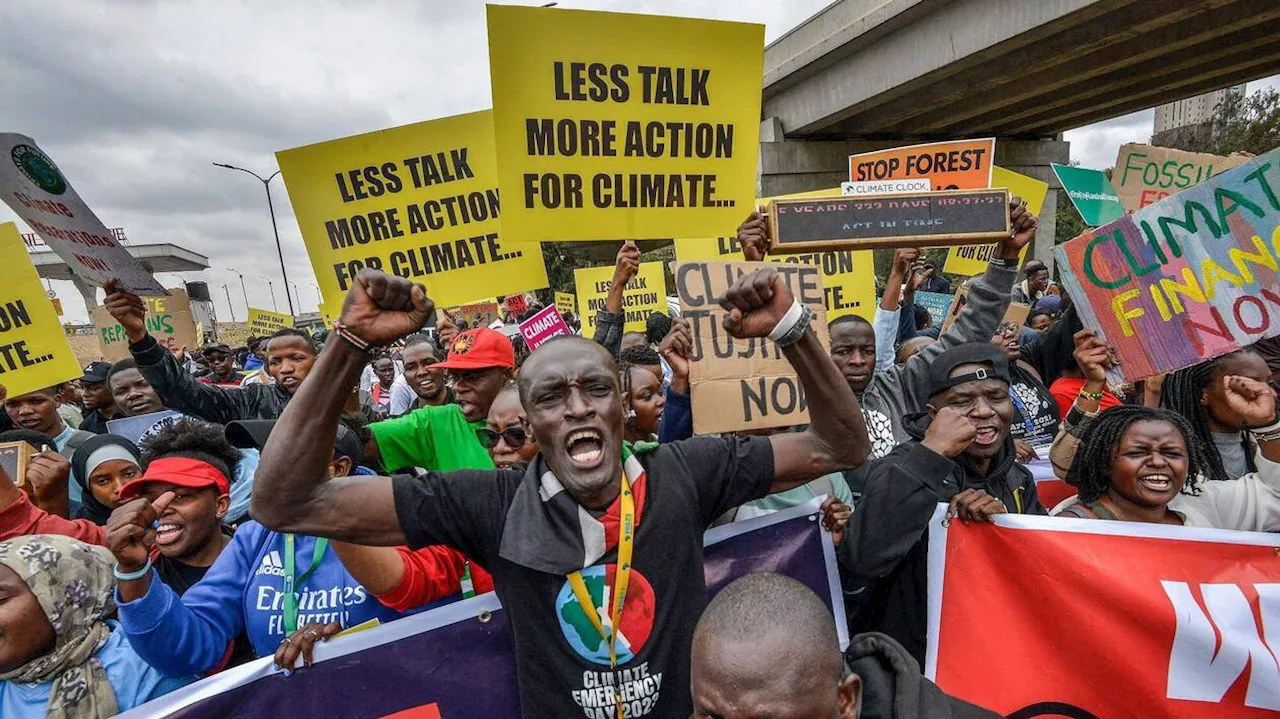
(1058, 617)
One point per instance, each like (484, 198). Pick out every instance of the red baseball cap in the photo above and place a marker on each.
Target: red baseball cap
(480, 348)
(179, 471)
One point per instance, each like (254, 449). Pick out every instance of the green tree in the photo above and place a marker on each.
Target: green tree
(1241, 123)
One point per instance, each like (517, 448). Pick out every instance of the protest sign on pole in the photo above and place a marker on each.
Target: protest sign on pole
(741, 384)
(927, 219)
(516, 305)
(543, 326)
(1123, 619)
(264, 323)
(614, 126)
(937, 303)
(973, 259)
(34, 188)
(645, 294)
(34, 350)
(566, 303)
(465, 648)
(1145, 174)
(419, 201)
(1091, 193)
(1189, 278)
(848, 276)
(169, 320)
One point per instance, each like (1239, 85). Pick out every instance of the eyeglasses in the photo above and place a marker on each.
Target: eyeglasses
(514, 436)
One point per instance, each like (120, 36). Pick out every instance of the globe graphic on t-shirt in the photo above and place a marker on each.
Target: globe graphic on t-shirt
(637, 615)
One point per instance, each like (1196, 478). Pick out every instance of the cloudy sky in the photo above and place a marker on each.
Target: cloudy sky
(135, 99)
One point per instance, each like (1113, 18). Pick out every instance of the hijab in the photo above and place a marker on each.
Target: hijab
(72, 582)
(88, 457)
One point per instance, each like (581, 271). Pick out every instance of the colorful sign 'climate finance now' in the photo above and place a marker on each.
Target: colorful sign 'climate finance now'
(1189, 278)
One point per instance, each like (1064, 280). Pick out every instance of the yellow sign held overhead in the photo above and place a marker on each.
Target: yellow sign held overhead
(263, 323)
(613, 126)
(34, 350)
(645, 294)
(566, 303)
(973, 259)
(418, 201)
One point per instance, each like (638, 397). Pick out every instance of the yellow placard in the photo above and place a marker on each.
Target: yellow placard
(330, 311)
(57, 305)
(34, 350)
(613, 126)
(848, 277)
(418, 201)
(566, 303)
(264, 323)
(973, 259)
(645, 294)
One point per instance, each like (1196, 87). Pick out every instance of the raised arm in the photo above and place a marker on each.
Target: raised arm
(611, 320)
(888, 315)
(175, 385)
(758, 304)
(293, 491)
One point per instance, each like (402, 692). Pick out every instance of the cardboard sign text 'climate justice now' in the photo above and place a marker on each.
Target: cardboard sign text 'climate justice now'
(927, 219)
(1190, 278)
(738, 384)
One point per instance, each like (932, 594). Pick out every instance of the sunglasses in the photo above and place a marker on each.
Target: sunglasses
(515, 437)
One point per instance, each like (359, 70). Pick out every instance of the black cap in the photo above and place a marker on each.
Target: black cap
(940, 369)
(253, 433)
(217, 347)
(97, 372)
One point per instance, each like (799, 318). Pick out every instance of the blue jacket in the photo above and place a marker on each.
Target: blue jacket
(677, 418)
(243, 590)
(132, 679)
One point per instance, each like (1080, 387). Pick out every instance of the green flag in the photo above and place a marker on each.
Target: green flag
(1091, 193)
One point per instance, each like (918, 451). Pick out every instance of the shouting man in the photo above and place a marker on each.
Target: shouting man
(592, 529)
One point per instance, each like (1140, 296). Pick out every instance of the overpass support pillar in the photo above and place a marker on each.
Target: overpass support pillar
(788, 166)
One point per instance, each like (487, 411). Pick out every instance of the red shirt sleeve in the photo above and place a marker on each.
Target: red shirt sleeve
(432, 573)
(22, 518)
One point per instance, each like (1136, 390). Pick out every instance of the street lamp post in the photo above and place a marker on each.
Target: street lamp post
(243, 292)
(319, 297)
(266, 183)
(296, 294)
(229, 305)
(271, 286)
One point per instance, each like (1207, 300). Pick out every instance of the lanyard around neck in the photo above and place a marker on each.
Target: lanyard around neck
(622, 578)
(291, 585)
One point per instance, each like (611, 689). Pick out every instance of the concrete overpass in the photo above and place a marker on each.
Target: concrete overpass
(863, 74)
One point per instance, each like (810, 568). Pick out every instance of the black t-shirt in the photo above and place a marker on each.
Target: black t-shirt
(561, 668)
(1039, 424)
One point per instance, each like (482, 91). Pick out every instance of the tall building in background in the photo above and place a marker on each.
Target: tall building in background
(1191, 115)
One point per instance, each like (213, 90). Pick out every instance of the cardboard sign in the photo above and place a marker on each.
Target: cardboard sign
(477, 314)
(264, 323)
(928, 219)
(1188, 632)
(614, 126)
(937, 303)
(1145, 174)
(34, 188)
(1091, 193)
(169, 320)
(516, 305)
(1190, 278)
(1016, 315)
(741, 384)
(418, 201)
(136, 429)
(543, 326)
(972, 260)
(34, 350)
(848, 276)
(566, 303)
(644, 294)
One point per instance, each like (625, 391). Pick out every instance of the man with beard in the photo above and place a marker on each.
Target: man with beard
(590, 523)
(421, 384)
(290, 354)
(962, 453)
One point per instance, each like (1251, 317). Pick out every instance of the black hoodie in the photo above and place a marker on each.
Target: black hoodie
(885, 548)
(892, 687)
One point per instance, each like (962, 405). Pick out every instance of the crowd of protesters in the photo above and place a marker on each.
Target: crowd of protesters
(314, 485)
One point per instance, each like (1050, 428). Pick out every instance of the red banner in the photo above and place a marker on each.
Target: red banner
(1057, 617)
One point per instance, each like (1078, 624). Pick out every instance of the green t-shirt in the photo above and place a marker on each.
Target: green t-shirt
(433, 438)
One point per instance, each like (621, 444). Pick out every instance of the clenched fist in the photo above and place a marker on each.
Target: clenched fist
(756, 303)
(382, 308)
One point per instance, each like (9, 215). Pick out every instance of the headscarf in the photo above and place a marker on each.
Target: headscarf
(72, 582)
(101, 448)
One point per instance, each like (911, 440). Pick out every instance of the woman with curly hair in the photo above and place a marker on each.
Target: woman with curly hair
(1138, 464)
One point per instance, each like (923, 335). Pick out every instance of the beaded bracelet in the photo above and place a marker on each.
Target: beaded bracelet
(342, 331)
